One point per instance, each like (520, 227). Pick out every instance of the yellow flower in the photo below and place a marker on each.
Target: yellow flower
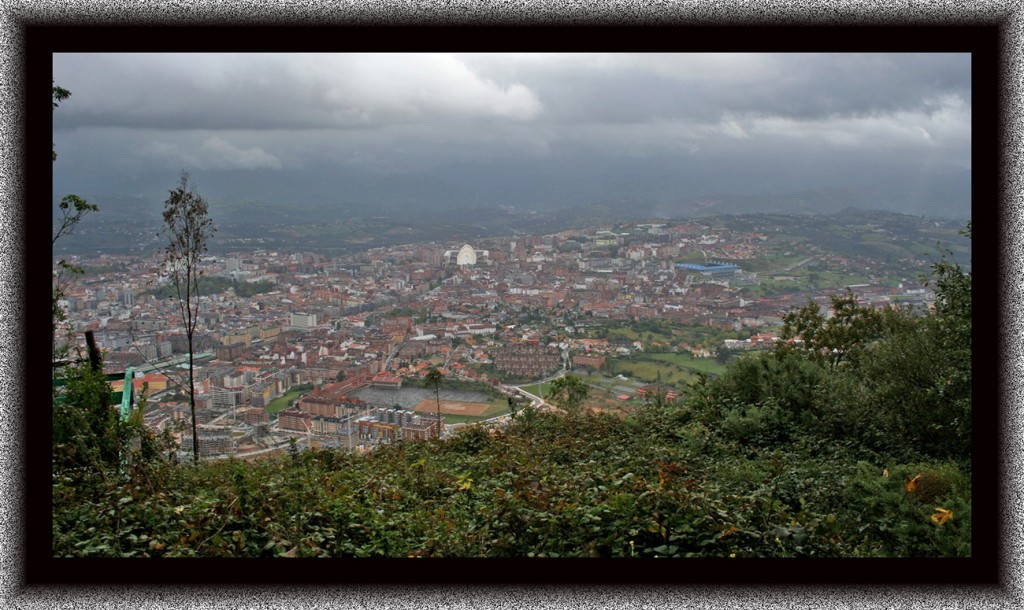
(941, 515)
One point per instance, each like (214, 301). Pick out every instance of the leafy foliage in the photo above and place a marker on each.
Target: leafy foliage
(845, 335)
(568, 392)
(59, 95)
(899, 381)
(559, 487)
(90, 440)
(84, 423)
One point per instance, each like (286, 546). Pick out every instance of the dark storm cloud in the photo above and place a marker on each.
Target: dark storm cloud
(199, 91)
(808, 87)
(733, 115)
(703, 87)
(263, 92)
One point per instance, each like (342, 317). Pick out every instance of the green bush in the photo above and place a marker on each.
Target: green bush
(883, 519)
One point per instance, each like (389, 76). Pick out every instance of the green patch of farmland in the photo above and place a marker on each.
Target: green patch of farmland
(686, 361)
(282, 402)
(671, 369)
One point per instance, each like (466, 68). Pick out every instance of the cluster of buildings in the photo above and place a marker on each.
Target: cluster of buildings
(506, 308)
(391, 424)
(529, 359)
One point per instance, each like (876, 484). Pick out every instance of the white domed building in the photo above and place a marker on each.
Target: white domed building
(466, 256)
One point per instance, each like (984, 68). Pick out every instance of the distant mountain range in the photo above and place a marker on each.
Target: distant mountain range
(442, 207)
(261, 211)
(566, 191)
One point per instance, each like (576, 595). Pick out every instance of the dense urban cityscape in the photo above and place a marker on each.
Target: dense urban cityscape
(318, 348)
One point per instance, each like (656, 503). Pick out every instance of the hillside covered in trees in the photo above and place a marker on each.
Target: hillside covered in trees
(853, 442)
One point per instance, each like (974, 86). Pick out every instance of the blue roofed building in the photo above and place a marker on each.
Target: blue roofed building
(713, 270)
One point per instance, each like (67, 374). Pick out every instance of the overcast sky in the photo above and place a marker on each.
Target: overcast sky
(702, 123)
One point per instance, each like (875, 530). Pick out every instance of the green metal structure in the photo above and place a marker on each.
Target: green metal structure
(127, 394)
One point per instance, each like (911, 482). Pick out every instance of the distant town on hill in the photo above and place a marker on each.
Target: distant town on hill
(349, 229)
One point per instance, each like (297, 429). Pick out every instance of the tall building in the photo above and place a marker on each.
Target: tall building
(303, 320)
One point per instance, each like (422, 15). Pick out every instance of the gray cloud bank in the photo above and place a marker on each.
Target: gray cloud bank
(520, 129)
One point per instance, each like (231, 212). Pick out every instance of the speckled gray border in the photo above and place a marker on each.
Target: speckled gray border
(19, 12)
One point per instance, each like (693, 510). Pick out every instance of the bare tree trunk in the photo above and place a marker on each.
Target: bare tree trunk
(192, 401)
(190, 333)
(189, 227)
